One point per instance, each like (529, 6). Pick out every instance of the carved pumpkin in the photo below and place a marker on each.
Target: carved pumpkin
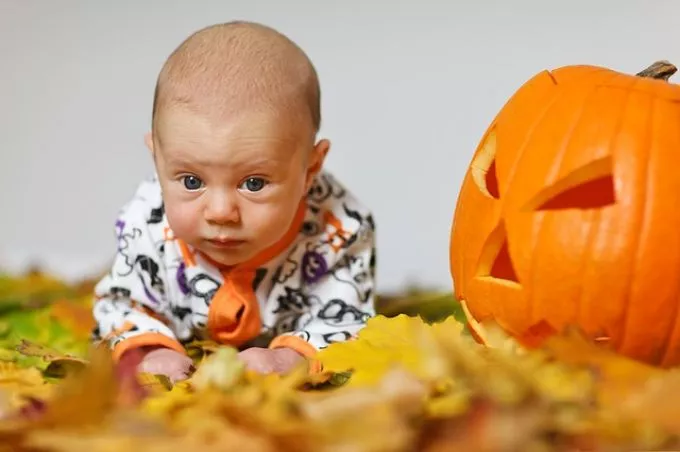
(569, 213)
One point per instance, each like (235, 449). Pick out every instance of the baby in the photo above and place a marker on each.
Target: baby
(240, 237)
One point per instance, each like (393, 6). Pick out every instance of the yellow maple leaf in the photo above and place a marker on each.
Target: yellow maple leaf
(17, 384)
(160, 403)
(220, 370)
(617, 374)
(385, 343)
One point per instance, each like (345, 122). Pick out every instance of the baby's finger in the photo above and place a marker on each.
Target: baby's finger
(259, 365)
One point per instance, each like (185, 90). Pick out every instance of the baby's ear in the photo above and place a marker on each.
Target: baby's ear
(148, 140)
(316, 159)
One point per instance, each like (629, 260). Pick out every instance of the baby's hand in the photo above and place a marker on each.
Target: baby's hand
(265, 360)
(164, 361)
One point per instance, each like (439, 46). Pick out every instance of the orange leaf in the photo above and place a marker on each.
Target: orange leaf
(76, 316)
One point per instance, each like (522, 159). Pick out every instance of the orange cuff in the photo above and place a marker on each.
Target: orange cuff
(302, 347)
(146, 339)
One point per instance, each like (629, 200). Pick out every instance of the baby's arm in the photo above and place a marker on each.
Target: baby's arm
(347, 293)
(131, 309)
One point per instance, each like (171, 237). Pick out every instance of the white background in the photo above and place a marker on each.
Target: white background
(408, 90)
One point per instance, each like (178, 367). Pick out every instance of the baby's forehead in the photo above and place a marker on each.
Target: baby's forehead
(178, 123)
(239, 99)
(244, 145)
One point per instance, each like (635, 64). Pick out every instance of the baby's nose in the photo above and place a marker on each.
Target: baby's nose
(222, 209)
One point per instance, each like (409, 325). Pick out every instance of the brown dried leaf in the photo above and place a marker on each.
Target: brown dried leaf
(84, 398)
(59, 365)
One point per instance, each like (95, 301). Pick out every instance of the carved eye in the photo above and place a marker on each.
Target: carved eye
(588, 187)
(494, 261)
(483, 167)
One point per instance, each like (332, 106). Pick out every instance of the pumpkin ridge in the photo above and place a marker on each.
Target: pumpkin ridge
(593, 232)
(588, 262)
(539, 243)
(621, 341)
(589, 173)
(672, 334)
(557, 163)
(522, 148)
(564, 146)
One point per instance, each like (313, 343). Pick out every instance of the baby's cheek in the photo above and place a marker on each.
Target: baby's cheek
(268, 221)
(184, 219)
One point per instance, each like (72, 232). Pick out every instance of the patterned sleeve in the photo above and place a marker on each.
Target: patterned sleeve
(338, 286)
(130, 307)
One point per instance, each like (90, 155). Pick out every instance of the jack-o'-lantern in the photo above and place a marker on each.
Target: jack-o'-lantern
(569, 214)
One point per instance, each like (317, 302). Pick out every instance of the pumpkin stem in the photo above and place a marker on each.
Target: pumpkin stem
(661, 70)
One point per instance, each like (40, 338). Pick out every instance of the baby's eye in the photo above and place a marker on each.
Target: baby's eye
(192, 182)
(254, 184)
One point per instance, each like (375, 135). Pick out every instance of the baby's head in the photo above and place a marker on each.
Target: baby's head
(235, 118)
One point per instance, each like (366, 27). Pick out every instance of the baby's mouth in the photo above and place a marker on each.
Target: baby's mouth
(225, 242)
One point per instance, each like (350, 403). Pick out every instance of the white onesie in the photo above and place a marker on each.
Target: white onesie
(317, 289)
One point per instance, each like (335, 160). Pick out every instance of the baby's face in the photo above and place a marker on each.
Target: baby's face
(231, 188)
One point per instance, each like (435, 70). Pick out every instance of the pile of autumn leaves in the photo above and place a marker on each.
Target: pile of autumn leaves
(402, 385)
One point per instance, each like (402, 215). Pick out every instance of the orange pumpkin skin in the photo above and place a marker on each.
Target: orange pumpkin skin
(570, 212)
